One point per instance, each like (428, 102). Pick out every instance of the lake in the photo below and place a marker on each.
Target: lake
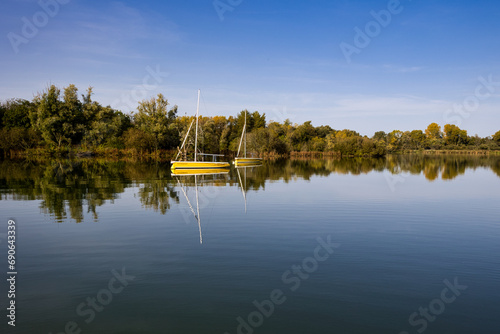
(404, 244)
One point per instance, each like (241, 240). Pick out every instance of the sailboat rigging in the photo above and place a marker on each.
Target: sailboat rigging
(245, 161)
(195, 165)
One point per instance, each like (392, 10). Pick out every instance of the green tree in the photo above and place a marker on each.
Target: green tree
(278, 137)
(18, 138)
(259, 121)
(496, 137)
(417, 139)
(454, 135)
(103, 125)
(379, 135)
(154, 117)
(317, 144)
(323, 131)
(72, 107)
(106, 127)
(239, 122)
(395, 140)
(90, 108)
(137, 139)
(301, 136)
(349, 146)
(224, 139)
(209, 139)
(3, 109)
(53, 118)
(16, 113)
(258, 141)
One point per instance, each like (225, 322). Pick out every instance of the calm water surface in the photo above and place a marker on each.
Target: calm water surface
(399, 245)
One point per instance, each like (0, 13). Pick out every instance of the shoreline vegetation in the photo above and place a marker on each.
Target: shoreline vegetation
(60, 124)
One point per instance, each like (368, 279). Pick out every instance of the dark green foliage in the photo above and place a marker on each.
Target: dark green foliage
(417, 139)
(496, 137)
(379, 135)
(323, 131)
(16, 113)
(53, 118)
(138, 139)
(154, 118)
(2, 113)
(18, 138)
(454, 135)
(259, 121)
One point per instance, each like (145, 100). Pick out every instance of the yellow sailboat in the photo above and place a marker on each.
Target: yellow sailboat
(195, 166)
(245, 161)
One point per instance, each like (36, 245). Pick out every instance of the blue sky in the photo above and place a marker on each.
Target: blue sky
(427, 61)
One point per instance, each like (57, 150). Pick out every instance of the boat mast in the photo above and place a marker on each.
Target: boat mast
(243, 131)
(196, 133)
(245, 147)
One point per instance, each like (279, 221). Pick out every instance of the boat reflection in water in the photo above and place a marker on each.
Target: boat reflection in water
(199, 175)
(197, 172)
(243, 184)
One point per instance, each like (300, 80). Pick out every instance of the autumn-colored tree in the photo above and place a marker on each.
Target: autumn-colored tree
(394, 142)
(454, 135)
(433, 131)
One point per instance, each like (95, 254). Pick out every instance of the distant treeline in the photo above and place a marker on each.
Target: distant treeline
(58, 123)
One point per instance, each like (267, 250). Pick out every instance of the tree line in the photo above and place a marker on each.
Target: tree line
(59, 122)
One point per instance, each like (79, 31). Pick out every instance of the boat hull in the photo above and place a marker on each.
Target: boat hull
(198, 165)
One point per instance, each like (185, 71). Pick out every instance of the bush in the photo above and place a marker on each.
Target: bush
(18, 138)
(138, 139)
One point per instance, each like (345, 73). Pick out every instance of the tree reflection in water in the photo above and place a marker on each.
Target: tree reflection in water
(66, 187)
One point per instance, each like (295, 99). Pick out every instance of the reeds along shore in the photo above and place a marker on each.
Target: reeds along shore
(113, 154)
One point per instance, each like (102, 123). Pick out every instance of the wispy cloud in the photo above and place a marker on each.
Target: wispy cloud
(320, 105)
(387, 106)
(114, 30)
(403, 69)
